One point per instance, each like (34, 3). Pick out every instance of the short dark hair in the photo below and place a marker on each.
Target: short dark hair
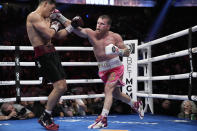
(49, 1)
(106, 17)
(4, 107)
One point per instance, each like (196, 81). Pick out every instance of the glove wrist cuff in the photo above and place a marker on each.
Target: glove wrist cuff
(121, 52)
(69, 29)
(55, 27)
(62, 19)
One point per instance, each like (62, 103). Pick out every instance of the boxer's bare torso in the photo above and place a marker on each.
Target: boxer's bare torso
(100, 38)
(36, 34)
(100, 42)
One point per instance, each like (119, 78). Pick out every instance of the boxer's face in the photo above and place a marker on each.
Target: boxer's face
(10, 108)
(102, 25)
(48, 9)
(187, 105)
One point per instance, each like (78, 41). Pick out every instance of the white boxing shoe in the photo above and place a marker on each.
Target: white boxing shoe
(100, 122)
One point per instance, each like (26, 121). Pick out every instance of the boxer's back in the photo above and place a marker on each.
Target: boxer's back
(35, 34)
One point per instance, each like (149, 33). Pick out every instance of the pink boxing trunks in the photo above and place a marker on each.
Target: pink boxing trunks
(113, 67)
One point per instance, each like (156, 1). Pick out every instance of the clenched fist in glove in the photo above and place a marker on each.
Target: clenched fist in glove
(112, 49)
(56, 15)
(76, 22)
(55, 25)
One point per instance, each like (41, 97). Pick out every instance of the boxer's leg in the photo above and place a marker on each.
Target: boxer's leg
(53, 71)
(58, 90)
(101, 121)
(136, 105)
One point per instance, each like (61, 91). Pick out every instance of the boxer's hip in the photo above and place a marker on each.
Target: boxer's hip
(109, 64)
(43, 49)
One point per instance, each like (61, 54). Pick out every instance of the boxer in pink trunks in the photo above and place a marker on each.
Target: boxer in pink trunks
(105, 69)
(107, 47)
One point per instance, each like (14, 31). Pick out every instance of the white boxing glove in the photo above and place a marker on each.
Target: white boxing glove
(112, 49)
(56, 14)
(55, 25)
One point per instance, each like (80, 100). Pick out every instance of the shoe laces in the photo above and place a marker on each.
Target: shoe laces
(101, 118)
(47, 118)
(136, 105)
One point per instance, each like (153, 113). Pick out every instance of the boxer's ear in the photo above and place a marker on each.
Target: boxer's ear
(45, 3)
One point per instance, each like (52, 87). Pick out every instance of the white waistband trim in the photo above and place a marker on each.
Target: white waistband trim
(109, 64)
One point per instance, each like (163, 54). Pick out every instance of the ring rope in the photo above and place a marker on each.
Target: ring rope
(78, 81)
(63, 63)
(144, 61)
(166, 96)
(38, 82)
(163, 96)
(168, 77)
(166, 38)
(30, 48)
(69, 97)
(167, 56)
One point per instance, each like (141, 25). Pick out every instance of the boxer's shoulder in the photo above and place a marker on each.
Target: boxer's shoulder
(113, 34)
(33, 16)
(89, 31)
(117, 37)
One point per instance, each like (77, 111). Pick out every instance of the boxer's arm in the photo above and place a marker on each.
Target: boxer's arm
(41, 26)
(57, 15)
(73, 25)
(120, 44)
(82, 32)
(118, 48)
(61, 34)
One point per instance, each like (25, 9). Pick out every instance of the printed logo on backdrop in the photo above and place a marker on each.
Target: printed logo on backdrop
(131, 47)
(130, 71)
(129, 83)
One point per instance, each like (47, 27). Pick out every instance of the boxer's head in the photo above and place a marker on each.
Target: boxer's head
(47, 7)
(103, 24)
(7, 108)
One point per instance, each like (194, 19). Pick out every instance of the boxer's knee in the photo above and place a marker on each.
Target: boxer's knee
(60, 85)
(109, 88)
(116, 94)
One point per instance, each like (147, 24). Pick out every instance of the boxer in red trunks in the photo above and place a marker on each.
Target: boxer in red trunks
(107, 47)
(41, 28)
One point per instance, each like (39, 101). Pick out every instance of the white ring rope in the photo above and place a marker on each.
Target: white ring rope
(77, 81)
(169, 77)
(167, 56)
(63, 63)
(166, 96)
(140, 78)
(69, 97)
(166, 38)
(144, 61)
(30, 48)
(38, 82)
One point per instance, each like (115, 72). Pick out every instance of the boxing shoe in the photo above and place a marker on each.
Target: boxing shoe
(47, 121)
(138, 107)
(100, 122)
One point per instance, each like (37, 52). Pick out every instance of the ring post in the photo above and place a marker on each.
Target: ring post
(17, 74)
(191, 64)
(131, 70)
